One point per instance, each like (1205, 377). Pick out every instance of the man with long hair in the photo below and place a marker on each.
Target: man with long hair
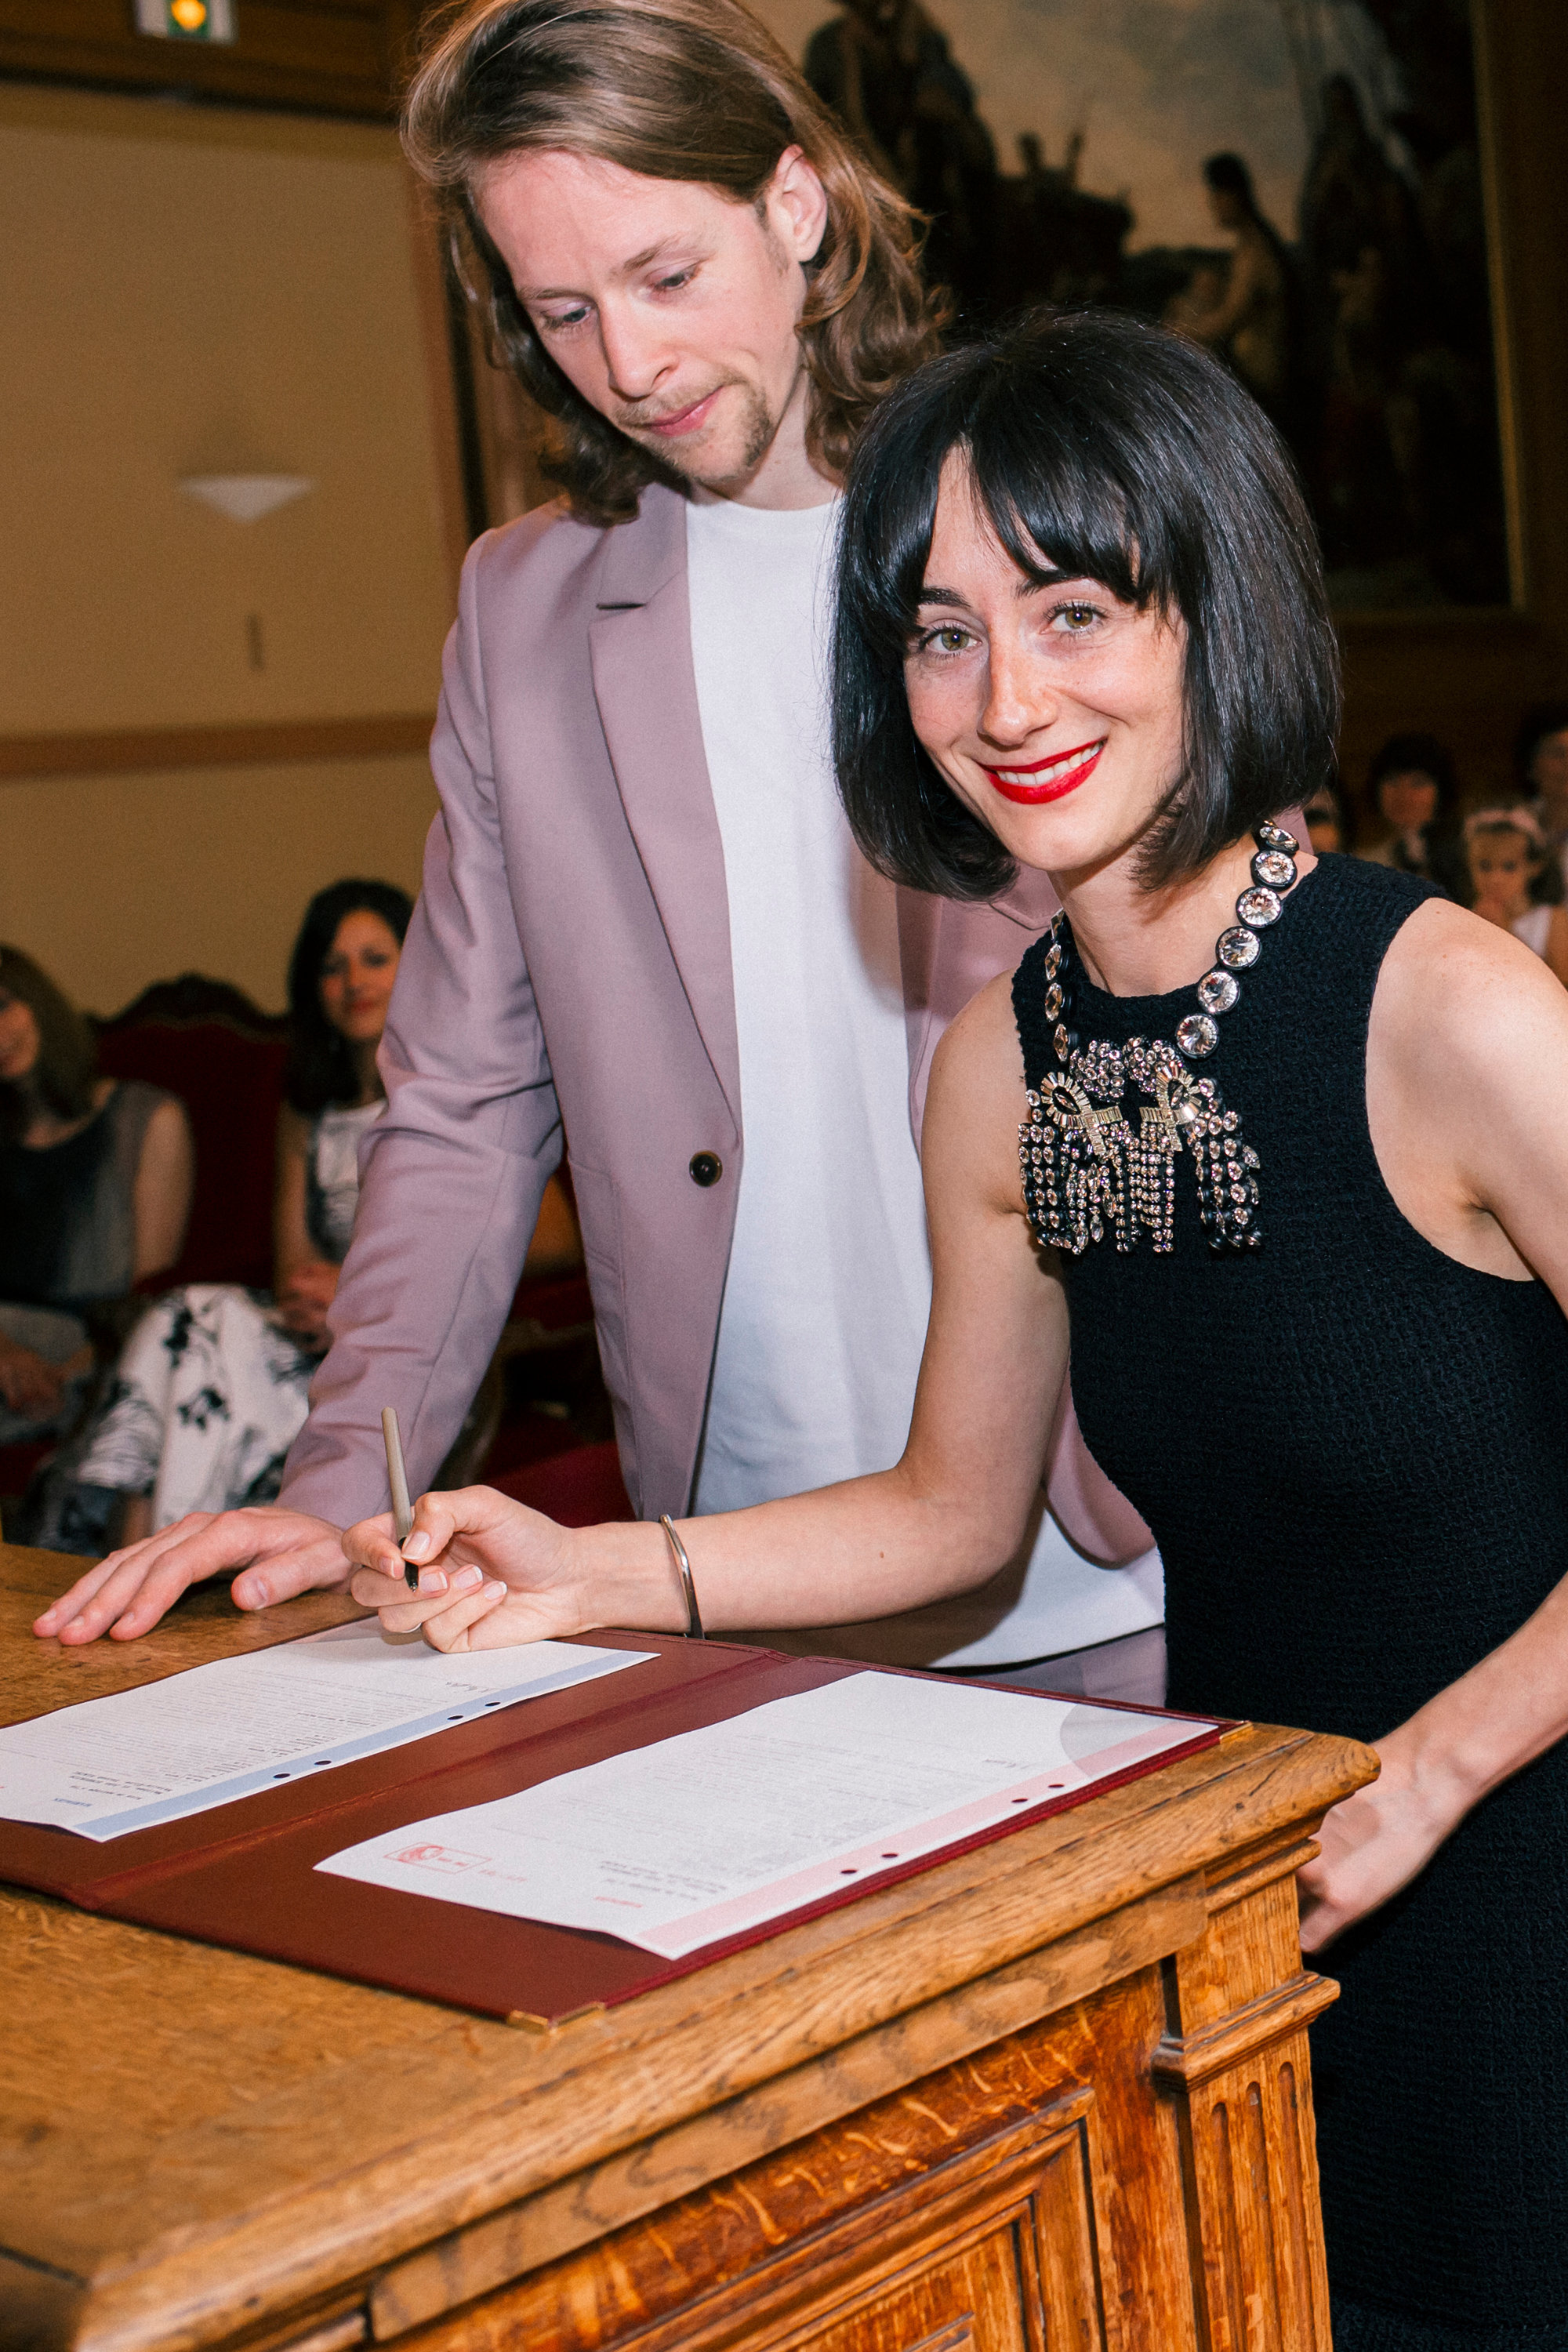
(643, 917)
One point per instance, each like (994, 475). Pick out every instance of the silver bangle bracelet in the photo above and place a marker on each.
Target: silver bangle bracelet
(677, 1550)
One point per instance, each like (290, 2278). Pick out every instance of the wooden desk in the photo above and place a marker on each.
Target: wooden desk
(1052, 2094)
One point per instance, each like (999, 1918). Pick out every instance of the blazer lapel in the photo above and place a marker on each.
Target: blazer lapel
(646, 687)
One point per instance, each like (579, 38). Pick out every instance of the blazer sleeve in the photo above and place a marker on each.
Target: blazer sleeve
(452, 1174)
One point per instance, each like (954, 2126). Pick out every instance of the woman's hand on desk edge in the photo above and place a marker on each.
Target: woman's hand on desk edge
(491, 1572)
(1373, 1844)
(280, 1552)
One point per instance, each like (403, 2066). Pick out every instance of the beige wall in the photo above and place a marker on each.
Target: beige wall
(191, 291)
(113, 881)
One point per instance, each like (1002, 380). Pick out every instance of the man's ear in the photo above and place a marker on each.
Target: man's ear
(795, 205)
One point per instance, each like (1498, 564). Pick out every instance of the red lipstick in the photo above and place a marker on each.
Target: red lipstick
(1065, 776)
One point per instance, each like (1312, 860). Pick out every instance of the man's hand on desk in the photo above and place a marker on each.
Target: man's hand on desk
(497, 1572)
(280, 1552)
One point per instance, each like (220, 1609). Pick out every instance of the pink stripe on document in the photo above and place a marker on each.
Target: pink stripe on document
(777, 1895)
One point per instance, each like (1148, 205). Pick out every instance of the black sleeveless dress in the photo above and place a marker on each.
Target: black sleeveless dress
(1353, 1453)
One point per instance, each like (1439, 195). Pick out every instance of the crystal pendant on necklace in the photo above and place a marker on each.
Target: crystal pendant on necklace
(1217, 991)
(1274, 837)
(1238, 948)
(1259, 907)
(1196, 1036)
(1273, 868)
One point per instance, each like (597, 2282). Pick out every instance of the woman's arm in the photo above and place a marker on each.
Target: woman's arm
(1467, 1099)
(942, 1521)
(161, 1196)
(1234, 305)
(557, 1244)
(304, 1283)
(291, 1245)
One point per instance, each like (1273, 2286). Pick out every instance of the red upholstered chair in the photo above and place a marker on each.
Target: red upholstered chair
(206, 1043)
(579, 1489)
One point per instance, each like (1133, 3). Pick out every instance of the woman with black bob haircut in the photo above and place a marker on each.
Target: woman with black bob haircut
(1278, 1143)
(1090, 444)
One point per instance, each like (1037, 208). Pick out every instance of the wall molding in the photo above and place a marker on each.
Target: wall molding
(130, 750)
(326, 57)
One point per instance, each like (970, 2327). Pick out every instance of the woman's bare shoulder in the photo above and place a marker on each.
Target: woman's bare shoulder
(166, 1143)
(980, 1045)
(1460, 1001)
(169, 1117)
(1446, 954)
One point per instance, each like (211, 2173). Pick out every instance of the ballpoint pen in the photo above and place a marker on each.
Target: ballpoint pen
(397, 1479)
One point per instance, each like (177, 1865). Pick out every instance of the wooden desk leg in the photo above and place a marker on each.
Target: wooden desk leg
(1234, 2060)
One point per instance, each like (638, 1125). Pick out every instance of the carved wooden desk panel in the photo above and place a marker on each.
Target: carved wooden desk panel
(1053, 2094)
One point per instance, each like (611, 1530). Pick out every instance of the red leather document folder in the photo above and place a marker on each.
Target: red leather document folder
(244, 1874)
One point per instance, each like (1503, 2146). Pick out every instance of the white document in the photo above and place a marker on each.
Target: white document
(222, 1731)
(700, 1837)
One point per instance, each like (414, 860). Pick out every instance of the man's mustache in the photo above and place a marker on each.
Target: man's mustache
(630, 419)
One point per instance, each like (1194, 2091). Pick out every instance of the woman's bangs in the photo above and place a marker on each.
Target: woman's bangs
(1055, 514)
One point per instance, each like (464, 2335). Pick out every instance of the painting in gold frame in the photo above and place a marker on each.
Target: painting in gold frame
(1307, 186)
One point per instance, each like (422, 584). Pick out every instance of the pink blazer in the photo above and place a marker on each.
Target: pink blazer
(568, 970)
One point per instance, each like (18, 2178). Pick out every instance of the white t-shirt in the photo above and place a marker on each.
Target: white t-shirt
(828, 1287)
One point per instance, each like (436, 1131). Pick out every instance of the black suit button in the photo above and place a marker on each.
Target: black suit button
(706, 1168)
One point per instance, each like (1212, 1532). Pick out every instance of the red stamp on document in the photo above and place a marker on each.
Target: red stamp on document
(437, 1857)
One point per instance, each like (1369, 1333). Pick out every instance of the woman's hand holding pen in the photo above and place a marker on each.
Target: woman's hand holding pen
(491, 1572)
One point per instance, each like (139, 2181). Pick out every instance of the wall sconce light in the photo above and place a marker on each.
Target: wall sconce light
(186, 20)
(246, 497)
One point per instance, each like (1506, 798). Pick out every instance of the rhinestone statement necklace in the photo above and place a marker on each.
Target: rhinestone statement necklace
(1089, 1164)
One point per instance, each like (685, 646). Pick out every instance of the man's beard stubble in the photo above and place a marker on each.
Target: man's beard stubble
(759, 427)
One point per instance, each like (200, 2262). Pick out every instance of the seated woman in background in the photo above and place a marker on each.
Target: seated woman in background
(1413, 802)
(94, 1189)
(1515, 884)
(212, 1387)
(1325, 814)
